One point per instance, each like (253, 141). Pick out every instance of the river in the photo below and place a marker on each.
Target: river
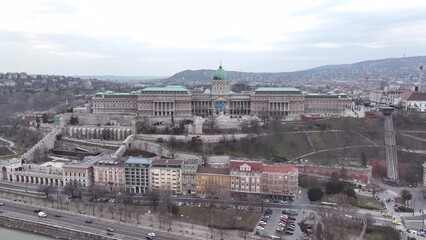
(13, 234)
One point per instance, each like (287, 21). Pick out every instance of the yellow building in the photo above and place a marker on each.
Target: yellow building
(213, 181)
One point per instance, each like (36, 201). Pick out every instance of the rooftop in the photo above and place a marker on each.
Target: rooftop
(272, 168)
(277, 89)
(208, 170)
(235, 164)
(170, 88)
(167, 162)
(139, 160)
(417, 96)
(87, 162)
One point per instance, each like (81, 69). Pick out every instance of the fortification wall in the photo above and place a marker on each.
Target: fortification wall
(43, 146)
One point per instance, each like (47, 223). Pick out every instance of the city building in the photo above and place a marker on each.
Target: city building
(189, 169)
(80, 171)
(213, 181)
(177, 101)
(279, 181)
(137, 174)
(413, 101)
(166, 174)
(246, 176)
(109, 172)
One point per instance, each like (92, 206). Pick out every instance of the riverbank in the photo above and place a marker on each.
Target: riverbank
(14, 234)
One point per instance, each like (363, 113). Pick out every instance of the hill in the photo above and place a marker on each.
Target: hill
(391, 69)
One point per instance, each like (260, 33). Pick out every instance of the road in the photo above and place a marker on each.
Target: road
(121, 230)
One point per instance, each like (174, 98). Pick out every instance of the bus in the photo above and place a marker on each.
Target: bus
(329, 204)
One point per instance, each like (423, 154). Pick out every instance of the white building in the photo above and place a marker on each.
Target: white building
(413, 101)
(80, 172)
(166, 174)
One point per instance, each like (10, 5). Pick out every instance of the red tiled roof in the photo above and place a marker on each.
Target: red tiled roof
(255, 166)
(406, 94)
(209, 170)
(270, 168)
(417, 96)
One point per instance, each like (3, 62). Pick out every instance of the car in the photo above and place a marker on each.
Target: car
(37, 210)
(285, 211)
(386, 214)
(262, 222)
(110, 229)
(1, 211)
(1, 203)
(173, 195)
(280, 229)
(260, 228)
(276, 201)
(88, 221)
(264, 219)
(300, 192)
(281, 225)
(290, 228)
(42, 214)
(151, 236)
(289, 232)
(57, 215)
(292, 218)
(395, 222)
(109, 233)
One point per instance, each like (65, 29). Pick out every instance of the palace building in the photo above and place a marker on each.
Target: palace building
(179, 102)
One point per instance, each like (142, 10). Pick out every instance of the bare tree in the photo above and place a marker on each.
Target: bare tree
(46, 189)
(138, 212)
(111, 209)
(154, 198)
(205, 158)
(61, 199)
(101, 208)
(73, 189)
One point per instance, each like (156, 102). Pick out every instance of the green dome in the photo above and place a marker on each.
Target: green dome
(220, 74)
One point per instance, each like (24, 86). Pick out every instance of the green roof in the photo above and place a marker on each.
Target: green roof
(220, 74)
(277, 89)
(170, 88)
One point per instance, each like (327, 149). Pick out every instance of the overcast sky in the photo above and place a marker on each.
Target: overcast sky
(160, 38)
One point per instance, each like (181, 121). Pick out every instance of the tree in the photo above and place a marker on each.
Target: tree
(406, 195)
(363, 159)
(315, 194)
(46, 189)
(205, 158)
(333, 187)
(73, 188)
(154, 198)
(73, 120)
(349, 192)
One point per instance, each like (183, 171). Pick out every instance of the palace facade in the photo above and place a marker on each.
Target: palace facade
(178, 101)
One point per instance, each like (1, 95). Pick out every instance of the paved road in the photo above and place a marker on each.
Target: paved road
(77, 222)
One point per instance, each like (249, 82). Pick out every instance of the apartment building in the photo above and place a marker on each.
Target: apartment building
(246, 176)
(166, 174)
(137, 174)
(80, 172)
(189, 169)
(213, 181)
(110, 174)
(279, 181)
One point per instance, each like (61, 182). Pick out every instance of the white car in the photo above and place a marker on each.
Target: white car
(151, 236)
(42, 214)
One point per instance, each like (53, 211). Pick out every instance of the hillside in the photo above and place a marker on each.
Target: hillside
(391, 69)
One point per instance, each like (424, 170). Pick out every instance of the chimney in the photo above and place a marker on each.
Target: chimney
(416, 88)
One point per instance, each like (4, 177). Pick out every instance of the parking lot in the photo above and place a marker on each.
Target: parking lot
(287, 219)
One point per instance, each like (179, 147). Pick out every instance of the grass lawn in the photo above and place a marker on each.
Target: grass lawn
(325, 140)
(330, 157)
(222, 218)
(369, 203)
(381, 233)
(5, 151)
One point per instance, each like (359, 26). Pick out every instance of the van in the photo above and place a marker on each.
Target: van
(42, 214)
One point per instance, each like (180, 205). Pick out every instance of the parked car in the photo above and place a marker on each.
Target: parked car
(37, 210)
(1, 203)
(109, 233)
(88, 221)
(57, 215)
(110, 230)
(289, 232)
